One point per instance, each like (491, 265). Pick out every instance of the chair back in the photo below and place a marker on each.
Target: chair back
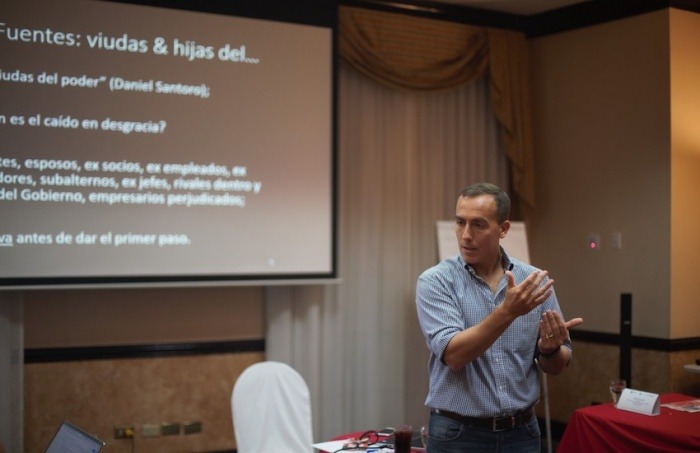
(271, 410)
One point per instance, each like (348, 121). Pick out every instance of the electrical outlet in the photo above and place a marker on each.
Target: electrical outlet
(192, 427)
(617, 241)
(169, 429)
(150, 430)
(124, 432)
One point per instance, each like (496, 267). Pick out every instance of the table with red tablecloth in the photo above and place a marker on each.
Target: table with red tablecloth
(604, 428)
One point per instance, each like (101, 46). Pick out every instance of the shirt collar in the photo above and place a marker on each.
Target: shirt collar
(505, 260)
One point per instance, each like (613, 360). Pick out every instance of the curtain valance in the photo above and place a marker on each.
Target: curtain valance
(415, 53)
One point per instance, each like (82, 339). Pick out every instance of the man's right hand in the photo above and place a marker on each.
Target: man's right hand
(522, 298)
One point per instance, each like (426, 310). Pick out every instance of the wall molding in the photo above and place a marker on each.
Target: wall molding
(44, 355)
(69, 354)
(638, 342)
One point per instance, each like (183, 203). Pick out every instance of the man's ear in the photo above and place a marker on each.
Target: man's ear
(505, 226)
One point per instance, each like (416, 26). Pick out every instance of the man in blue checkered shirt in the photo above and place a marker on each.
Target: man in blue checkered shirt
(488, 320)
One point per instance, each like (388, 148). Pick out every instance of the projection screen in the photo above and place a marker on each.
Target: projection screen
(143, 144)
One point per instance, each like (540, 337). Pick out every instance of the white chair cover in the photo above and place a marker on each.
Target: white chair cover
(271, 410)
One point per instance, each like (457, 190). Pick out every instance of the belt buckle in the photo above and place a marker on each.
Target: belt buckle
(505, 427)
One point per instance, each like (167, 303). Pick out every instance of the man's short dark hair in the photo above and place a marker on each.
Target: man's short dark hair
(485, 188)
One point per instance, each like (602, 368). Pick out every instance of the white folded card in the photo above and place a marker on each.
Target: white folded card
(640, 402)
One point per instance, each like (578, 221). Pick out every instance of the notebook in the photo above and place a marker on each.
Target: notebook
(71, 439)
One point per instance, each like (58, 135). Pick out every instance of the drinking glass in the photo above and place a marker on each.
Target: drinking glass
(402, 439)
(616, 388)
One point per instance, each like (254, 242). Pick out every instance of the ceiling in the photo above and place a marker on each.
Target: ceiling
(519, 7)
(533, 17)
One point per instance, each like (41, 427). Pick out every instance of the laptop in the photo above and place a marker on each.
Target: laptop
(71, 439)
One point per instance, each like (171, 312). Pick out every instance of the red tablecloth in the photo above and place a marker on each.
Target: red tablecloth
(603, 428)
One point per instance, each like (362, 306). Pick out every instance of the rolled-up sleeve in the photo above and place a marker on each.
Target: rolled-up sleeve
(439, 315)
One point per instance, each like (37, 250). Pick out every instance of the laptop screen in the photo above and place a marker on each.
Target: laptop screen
(71, 439)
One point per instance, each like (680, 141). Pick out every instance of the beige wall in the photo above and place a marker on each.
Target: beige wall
(100, 395)
(685, 172)
(142, 316)
(609, 160)
(602, 141)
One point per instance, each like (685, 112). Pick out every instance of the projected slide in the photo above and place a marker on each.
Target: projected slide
(142, 142)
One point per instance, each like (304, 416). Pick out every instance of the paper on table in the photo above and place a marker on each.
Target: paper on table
(336, 445)
(332, 445)
(685, 406)
(329, 446)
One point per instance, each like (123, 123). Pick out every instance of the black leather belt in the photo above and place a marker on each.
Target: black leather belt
(493, 424)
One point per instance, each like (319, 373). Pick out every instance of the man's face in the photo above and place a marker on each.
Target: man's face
(478, 231)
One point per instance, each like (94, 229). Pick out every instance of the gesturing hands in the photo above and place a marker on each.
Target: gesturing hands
(522, 298)
(554, 331)
(527, 295)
